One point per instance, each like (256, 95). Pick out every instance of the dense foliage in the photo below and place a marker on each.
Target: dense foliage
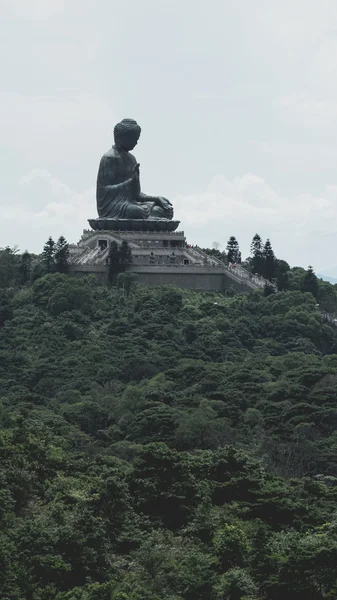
(159, 444)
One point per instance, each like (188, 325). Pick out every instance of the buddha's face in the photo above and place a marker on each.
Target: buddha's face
(127, 141)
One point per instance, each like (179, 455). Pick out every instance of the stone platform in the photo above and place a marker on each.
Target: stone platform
(133, 224)
(158, 258)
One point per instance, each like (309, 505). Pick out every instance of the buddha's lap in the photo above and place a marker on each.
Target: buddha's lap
(143, 210)
(137, 210)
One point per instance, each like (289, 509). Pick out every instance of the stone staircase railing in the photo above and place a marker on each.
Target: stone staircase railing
(87, 257)
(237, 272)
(203, 257)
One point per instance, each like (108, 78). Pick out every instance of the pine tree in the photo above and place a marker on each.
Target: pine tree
(25, 267)
(256, 250)
(119, 258)
(233, 250)
(113, 260)
(310, 282)
(125, 255)
(269, 262)
(8, 266)
(61, 256)
(48, 254)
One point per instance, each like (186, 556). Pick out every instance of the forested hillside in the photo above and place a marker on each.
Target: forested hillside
(159, 444)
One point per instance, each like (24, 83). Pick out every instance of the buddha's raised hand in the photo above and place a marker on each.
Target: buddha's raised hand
(135, 170)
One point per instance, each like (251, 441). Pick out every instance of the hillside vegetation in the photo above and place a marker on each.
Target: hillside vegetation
(159, 444)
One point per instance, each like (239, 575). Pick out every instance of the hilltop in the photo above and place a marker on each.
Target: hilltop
(164, 444)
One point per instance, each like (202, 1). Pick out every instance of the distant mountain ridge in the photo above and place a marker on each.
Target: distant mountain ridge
(330, 275)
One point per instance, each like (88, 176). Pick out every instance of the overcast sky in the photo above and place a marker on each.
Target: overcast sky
(237, 100)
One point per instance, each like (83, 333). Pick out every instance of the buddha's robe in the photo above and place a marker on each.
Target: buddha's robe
(118, 192)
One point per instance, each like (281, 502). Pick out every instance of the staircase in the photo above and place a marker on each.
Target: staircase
(238, 273)
(87, 256)
(199, 256)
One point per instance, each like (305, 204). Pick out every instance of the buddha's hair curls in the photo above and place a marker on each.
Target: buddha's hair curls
(125, 127)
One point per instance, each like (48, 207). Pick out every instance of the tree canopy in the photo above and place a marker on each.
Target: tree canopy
(163, 444)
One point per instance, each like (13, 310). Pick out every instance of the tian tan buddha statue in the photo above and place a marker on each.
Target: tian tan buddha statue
(118, 188)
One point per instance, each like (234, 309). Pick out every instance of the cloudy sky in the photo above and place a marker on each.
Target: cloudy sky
(237, 100)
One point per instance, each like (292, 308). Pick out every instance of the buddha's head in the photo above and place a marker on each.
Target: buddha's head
(127, 134)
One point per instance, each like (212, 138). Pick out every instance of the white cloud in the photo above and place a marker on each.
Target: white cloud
(300, 227)
(34, 9)
(56, 210)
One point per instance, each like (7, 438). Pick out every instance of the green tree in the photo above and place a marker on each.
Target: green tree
(231, 546)
(163, 484)
(282, 275)
(237, 584)
(301, 566)
(233, 250)
(48, 255)
(119, 259)
(256, 250)
(309, 282)
(268, 290)
(59, 293)
(295, 276)
(167, 567)
(9, 263)
(126, 282)
(61, 255)
(202, 429)
(240, 501)
(269, 261)
(38, 271)
(25, 267)
(327, 296)
(6, 309)
(113, 262)
(125, 254)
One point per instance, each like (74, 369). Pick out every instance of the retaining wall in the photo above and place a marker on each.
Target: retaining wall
(191, 278)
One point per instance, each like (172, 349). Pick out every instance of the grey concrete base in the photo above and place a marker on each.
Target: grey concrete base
(158, 258)
(192, 278)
